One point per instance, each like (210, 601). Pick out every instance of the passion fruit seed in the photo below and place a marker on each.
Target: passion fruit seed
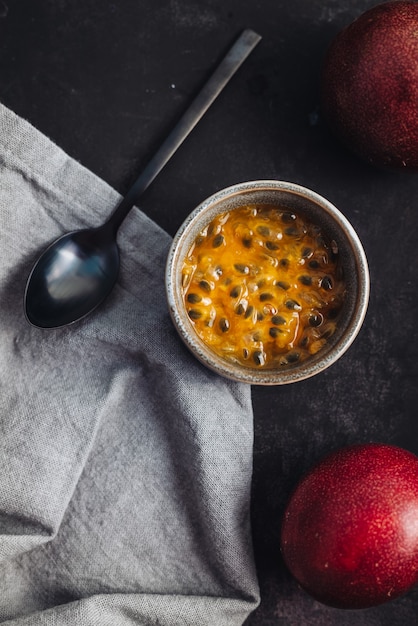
(315, 320)
(218, 241)
(264, 297)
(205, 285)
(293, 305)
(278, 320)
(249, 311)
(288, 217)
(272, 245)
(195, 314)
(224, 325)
(259, 357)
(193, 298)
(305, 279)
(282, 284)
(326, 283)
(293, 357)
(264, 231)
(241, 268)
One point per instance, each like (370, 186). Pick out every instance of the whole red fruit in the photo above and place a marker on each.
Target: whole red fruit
(370, 85)
(350, 530)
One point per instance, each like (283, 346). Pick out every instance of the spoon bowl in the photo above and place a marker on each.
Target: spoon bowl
(73, 276)
(78, 271)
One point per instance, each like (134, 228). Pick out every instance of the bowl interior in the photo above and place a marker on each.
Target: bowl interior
(336, 228)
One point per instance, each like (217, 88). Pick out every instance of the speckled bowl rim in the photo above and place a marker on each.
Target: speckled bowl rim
(330, 219)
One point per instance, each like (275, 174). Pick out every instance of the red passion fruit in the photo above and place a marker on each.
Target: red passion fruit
(350, 530)
(369, 89)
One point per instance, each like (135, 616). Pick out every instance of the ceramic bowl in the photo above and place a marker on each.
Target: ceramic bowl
(333, 224)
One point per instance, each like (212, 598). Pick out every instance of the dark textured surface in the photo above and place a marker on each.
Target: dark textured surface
(107, 80)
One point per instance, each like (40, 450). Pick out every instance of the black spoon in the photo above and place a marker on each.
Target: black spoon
(76, 272)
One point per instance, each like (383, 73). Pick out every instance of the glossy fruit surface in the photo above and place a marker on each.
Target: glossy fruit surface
(370, 85)
(350, 530)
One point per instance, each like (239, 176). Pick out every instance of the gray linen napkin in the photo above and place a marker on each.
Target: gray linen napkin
(125, 465)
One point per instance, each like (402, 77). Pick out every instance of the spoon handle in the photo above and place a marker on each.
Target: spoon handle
(222, 74)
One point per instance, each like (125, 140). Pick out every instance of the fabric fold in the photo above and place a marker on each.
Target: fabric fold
(125, 464)
(144, 610)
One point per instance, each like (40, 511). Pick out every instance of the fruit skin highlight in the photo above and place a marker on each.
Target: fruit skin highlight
(350, 530)
(369, 87)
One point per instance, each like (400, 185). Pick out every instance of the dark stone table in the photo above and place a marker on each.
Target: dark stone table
(107, 80)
